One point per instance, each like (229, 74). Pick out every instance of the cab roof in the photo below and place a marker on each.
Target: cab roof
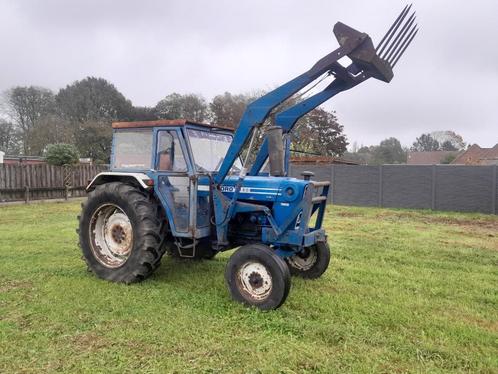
(165, 122)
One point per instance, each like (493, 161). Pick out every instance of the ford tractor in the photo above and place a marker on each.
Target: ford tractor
(195, 189)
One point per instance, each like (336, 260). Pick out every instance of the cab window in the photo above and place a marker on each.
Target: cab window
(169, 152)
(132, 149)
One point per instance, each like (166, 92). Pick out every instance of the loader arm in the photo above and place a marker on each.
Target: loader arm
(289, 117)
(258, 111)
(367, 61)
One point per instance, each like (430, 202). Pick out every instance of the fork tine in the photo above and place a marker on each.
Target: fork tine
(399, 38)
(392, 30)
(403, 48)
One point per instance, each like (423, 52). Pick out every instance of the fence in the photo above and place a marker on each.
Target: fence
(35, 182)
(438, 187)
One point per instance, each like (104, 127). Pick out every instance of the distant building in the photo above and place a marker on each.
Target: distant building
(23, 160)
(430, 158)
(86, 160)
(476, 155)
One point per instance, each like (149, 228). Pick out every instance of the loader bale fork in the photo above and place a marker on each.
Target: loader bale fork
(179, 186)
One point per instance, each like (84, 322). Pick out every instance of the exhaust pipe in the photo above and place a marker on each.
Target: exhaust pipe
(275, 151)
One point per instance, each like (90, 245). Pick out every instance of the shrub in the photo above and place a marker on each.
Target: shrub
(61, 154)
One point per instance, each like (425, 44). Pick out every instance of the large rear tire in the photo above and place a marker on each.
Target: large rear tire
(256, 276)
(121, 230)
(311, 263)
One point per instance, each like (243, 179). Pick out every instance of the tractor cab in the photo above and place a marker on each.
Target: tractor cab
(175, 156)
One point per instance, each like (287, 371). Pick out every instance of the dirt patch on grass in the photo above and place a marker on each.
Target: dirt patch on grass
(470, 319)
(346, 214)
(11, 285)
(89, 341)
(428, 219)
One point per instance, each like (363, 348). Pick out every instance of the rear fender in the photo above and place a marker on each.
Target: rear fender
(139, 179)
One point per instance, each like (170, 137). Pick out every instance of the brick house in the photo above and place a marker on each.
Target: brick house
(23, 160)
(430, 158)
(476, 155)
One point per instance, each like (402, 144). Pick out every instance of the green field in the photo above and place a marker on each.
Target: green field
(407, 291)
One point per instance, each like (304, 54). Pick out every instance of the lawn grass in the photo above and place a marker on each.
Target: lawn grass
(407, 291)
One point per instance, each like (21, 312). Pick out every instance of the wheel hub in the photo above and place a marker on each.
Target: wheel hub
(111, 235)
(118, 234)
(254, 279)
(305, 259)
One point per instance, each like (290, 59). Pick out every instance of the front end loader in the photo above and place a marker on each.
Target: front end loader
(195, 190)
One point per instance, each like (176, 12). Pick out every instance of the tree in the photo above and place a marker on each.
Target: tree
(448, 146)
(93, 99)
(143, 113)
(227, 109)
(425, 143)
(389, 151)
(26, 106)
(90, 105)
(451, 137)
(190, 106)
(9, 138)
(319, 132)
(61, 154)
(94, 140)
(449, 158)
(51, 129)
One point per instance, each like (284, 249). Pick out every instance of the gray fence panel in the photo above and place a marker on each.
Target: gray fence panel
(322, 173)
(442, 187)
(495, 173)
(464, 188)
(406, 187)
(353, 185)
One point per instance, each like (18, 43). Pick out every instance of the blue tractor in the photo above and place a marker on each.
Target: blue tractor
(194, 189)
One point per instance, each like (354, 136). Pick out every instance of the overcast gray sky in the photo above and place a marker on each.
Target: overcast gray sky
(447, 80)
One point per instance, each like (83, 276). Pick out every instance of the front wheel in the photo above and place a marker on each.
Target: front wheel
(256, 276)
(311, 262)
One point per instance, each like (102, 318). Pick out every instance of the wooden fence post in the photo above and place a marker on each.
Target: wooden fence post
(68, 179)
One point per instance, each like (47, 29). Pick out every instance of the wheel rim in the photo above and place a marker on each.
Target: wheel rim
(254, 279)
(305, 259)
(111, 235)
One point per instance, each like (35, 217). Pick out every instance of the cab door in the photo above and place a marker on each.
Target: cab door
(173, 184)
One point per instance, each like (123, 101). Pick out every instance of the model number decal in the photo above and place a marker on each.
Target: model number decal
(265, 191)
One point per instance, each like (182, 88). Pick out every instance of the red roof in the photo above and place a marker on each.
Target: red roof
(428, 158)
(23, 160)
(476, 155)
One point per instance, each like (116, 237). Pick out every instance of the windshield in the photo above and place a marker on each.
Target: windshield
(209, 149)
(132, 149)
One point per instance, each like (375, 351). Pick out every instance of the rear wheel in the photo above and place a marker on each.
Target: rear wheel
(256, 276)
(311, 262)
(121, 230)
